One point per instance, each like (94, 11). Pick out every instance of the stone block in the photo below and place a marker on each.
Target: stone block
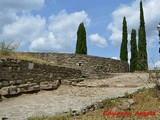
(30, 65)
(12, 90)
(10, 69)
(33, 87)
(46, 86)
(1, 84)
(4, 91)
(12, 82)
(5, 83)
(19, 81)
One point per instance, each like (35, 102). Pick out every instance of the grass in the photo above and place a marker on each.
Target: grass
(25, 57)
(145, 101)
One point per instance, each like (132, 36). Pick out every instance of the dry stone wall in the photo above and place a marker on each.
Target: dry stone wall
(20, 76)
(89, 65)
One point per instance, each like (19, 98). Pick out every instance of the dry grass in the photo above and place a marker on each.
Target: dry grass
(25, 57)
(145, 101)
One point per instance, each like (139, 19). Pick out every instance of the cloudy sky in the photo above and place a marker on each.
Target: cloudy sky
(51, 25)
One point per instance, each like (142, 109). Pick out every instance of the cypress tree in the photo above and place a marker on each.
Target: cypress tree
(134, 53)
(142, 45)
(81, 47)
(123, 49)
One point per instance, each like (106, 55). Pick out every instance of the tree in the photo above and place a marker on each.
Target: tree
(142, 45)
(123, 49)
(81, 47)
(134, 52)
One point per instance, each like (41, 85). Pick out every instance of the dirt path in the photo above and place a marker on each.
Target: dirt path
(75, 97)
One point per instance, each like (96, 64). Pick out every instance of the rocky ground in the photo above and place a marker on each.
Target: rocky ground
(73, 97)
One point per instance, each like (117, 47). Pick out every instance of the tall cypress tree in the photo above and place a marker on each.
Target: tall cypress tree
(134, 52)
(142, 45)
(123, 49)
(81, 47)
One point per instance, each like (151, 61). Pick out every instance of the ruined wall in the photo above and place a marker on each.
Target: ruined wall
(89, 65)
(20, 76)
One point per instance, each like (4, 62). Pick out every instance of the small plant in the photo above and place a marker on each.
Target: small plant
(126, 95)
(7, 48)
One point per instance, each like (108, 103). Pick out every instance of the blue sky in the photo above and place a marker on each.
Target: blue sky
(51, 25)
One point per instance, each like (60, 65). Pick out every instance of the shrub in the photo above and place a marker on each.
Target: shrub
(7, 48)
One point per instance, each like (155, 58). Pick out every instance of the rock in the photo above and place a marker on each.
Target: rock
(28, 87)
(56, 84)
(1, 84)
(115, 109)
(66, 82)
(33, 87)
(5, 83)
(74, 113)
(48, 85)
(12, 90)
(45, 86)
(4, 91)
(18, 81)
(131, 101)
(83, 111)
(124, 106)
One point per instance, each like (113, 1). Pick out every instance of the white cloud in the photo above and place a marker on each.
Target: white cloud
(131, 12)
(60, 36)
(154, 66)
(98, 40)
(157, 64)
(35, 33)
(10, 8)
(116, 58)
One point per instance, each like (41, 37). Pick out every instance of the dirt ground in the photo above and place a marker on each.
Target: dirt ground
(68, 97)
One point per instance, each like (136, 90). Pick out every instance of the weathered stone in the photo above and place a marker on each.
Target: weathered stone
(12, 82)
(115, 109)
(124, 106)
(12, 90)
(131, 101)
(45, 86)
(74, 113)
(30, 65)
(18, 69)
(4, 91)
(5, 83)
(10, 69)
(66, 82)
(1, 84)
(33, 87)
(51, 75)
(18, 81)
(49, 85)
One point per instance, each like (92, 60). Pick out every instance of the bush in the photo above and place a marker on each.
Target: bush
(7, 48)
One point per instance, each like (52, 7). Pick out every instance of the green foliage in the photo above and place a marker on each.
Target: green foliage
(81, 47)
(142, 45)
(123, 49)
(134, 53)
(7, 49)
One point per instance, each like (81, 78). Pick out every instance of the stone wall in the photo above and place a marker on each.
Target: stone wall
(89, 65)
(20, 76)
